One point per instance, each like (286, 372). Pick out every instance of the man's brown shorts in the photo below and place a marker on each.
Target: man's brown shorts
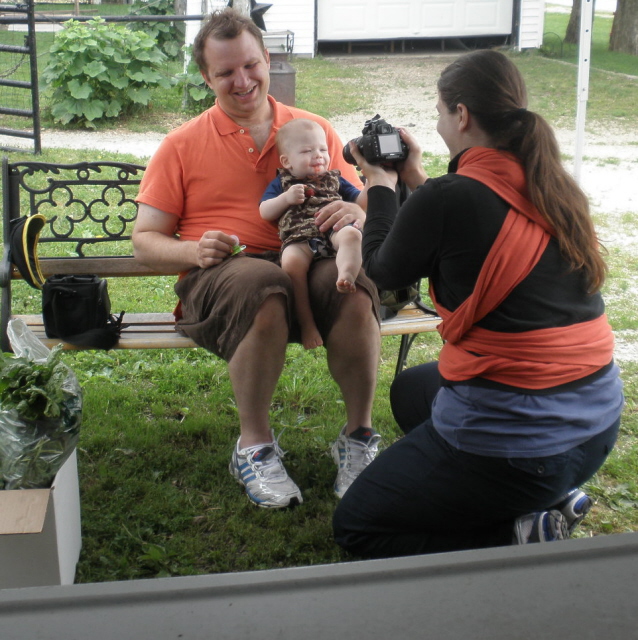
(220, 303)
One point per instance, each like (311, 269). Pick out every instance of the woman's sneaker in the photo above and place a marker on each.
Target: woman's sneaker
(574, 507)
(260, 471)
(542, 526)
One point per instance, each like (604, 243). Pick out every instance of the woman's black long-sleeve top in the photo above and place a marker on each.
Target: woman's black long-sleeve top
(444, 232)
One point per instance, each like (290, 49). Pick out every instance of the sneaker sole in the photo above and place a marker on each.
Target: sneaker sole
(584, 508)
(263, 504)
(557, 527)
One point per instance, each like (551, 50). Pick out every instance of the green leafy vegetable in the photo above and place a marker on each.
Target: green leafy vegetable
(40, 416)
(34, 390)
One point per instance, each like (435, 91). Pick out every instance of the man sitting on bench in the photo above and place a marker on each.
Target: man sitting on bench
(199, 199)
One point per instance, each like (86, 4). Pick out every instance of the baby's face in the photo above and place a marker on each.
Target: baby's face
(307, 155)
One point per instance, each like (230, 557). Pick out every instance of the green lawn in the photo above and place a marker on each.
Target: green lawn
(159, 426)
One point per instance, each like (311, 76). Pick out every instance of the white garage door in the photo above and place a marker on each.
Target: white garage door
(398, 19)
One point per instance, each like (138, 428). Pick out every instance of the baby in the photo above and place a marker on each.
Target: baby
(302, 187)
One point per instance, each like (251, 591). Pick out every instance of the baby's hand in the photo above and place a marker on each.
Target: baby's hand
(296, 194)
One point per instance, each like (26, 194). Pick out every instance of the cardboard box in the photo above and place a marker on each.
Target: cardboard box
(40, 535)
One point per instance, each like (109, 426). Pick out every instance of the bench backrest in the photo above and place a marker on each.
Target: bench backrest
(89, 209)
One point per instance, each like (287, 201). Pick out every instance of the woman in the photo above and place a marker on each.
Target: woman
(524, 404)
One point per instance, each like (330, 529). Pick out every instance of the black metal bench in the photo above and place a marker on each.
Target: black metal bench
(90, 210)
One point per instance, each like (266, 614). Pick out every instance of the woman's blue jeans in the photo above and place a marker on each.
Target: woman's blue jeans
(422, 495)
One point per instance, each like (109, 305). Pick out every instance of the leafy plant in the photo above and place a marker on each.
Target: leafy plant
(197, 95)
(97, 71)
(169, 36)
(33, 389)
(40, 414)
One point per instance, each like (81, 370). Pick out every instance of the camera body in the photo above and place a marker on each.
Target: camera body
(380, 143)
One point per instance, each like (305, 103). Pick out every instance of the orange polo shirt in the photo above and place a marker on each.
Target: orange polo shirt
(209, 174)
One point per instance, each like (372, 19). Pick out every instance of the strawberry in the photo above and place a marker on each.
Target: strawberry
(308, 192)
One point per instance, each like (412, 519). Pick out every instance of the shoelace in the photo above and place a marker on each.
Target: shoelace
(364, 451)
(271, 466)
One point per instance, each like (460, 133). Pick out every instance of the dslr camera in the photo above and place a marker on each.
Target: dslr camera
(380, 143)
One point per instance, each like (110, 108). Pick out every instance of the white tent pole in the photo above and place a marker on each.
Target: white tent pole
(193, 8)
(584, 55)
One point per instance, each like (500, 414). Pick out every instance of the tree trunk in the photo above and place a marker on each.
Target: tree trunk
(624, 29)
(572, 35)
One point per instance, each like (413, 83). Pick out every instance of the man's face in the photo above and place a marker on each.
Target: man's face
(238, 73)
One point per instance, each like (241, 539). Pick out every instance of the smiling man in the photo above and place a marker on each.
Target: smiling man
(198, 200)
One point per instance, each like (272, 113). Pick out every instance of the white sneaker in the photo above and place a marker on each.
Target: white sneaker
(574, 506)
(541, 526)
(352, 454)
(262, 474)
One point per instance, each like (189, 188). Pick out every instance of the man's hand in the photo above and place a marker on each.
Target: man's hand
(339, 214)
(214, 247)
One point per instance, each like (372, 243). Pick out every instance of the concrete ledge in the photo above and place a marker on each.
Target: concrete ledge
(572, 589)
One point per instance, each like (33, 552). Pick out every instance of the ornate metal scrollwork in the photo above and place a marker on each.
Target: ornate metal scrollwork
(84, 203)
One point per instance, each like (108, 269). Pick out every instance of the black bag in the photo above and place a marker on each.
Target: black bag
(393, 301)
(77, 309)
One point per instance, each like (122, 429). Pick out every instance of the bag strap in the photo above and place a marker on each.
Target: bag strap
(105, 338)
(25, 233)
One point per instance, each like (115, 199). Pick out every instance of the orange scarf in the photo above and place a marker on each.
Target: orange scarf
(536, 359)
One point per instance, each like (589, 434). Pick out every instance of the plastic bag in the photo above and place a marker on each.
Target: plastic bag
(40, 411)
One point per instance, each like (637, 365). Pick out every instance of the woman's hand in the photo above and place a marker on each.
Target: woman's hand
(411, 169)
(376, 175)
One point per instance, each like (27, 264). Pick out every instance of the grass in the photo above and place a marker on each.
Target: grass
(552, 78)
(601, 58)
(157, 499)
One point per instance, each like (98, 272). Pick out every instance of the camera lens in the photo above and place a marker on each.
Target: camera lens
(347, 156)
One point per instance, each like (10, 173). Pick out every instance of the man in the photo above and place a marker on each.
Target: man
(199, 198)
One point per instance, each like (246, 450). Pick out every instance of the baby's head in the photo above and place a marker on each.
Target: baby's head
(303, 148)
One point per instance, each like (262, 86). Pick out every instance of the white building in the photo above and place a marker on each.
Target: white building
(304, 24)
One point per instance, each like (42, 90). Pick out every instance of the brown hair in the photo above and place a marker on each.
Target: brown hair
(492, 88)
(225, 24)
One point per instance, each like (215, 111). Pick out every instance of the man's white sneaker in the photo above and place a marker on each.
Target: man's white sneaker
(262, 474)
(352, 454)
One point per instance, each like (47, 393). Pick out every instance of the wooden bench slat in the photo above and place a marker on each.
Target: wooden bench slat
(157, 330)
(116, 267)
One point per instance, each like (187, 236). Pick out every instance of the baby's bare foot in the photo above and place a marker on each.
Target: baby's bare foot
(311, 339)
(346, 286)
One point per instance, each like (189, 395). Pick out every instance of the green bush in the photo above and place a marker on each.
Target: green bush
(197, 96)
(169, 36)
(98, 71)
